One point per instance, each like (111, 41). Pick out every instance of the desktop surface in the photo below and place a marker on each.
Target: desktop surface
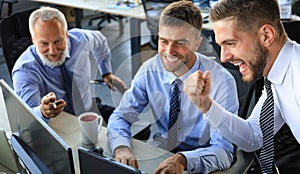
(148, 156)
(101, 6)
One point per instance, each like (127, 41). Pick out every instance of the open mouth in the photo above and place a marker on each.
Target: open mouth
(242, 65)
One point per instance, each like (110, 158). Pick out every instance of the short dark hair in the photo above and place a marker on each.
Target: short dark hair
(249, 14)
(184, 12)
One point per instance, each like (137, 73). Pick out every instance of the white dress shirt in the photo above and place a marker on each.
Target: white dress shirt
(285, 78)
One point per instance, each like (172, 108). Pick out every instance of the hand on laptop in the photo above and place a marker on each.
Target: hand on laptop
(124, 155)
(50, 107)
(173, 164)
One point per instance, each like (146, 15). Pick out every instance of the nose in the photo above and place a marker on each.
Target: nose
(170, 49)
(225, 54)
(52, 49)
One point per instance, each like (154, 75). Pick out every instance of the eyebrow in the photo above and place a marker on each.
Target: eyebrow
(226, 41)
(43, 41)
(179, 40)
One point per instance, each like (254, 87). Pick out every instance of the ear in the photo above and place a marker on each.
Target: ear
(197, 43)
(267, 34)
(33, 40)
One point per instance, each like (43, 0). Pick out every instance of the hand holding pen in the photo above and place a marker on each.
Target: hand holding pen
(50, 106)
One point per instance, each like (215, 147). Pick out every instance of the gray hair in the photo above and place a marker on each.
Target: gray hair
(46, 14)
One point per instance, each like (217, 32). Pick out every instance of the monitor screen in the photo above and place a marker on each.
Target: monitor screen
(28, 157)
(44, 142)
(93, 163)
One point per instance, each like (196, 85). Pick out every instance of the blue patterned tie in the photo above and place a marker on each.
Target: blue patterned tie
(173, 115)
(267, 127)
(68, 81)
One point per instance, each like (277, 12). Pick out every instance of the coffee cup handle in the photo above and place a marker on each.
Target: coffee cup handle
(100, 124)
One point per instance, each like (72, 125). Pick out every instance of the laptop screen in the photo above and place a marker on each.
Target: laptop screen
(91, 163)
(40, 137)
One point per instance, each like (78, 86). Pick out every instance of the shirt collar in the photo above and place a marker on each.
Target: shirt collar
(68, 49)
(281, 64)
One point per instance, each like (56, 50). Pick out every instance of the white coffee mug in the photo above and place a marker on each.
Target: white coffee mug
(90, 124)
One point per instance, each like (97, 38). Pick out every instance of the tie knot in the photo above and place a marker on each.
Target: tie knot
(176, 82)
(175, 86)
(267, 84)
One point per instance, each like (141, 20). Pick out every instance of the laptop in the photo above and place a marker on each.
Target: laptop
(8, 158)
(94, 163)
(40, 138)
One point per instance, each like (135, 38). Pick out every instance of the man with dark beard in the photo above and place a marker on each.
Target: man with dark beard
(53, 74)
(198, 148)
(252, 37)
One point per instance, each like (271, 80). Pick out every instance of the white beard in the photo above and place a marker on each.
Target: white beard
(49, 63)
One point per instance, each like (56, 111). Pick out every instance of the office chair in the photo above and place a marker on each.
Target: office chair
(296, 7)
(15, 36)
(153, 9)
(107, 17)
(104, 17)
(9, 4)
(292, 29)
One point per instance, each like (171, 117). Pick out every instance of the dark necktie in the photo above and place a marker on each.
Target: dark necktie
(68, 81)
(267, 127)
(173, 115)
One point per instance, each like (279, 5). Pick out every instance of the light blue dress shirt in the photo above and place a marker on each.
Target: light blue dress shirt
(206, 3)
(284, 76)
(32, 79)
(205, 149)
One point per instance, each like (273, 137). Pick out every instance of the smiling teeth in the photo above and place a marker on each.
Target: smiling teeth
(236, 63)
(171, 59)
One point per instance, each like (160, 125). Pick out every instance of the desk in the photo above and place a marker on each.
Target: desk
(100, 6)
(148, 157)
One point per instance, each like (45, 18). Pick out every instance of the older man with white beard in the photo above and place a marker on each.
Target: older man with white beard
(40, 74)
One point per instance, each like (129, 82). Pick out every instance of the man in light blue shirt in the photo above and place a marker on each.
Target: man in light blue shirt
(56, 68)
(198, 147)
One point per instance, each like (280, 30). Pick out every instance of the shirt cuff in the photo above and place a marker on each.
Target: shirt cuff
(38, 113)
(105, 66)
(119, 141)
(214, 115)
(190, 160)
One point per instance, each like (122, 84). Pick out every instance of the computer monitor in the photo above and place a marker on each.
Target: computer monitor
(41, 139)
(93, 163)
(29, 158)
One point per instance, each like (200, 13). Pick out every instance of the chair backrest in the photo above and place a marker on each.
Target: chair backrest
(1, 7)
(15, 36)
(153, 9)
(292, 29)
